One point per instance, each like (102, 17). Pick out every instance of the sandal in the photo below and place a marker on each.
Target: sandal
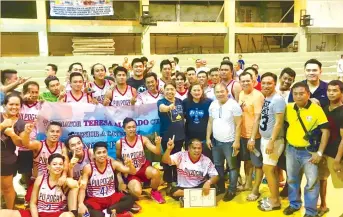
(263, 200)
(253, 197)
(266, 207)
(322, 212)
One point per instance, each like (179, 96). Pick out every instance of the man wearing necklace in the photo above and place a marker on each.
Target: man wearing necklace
(333, 165)
(100, 85)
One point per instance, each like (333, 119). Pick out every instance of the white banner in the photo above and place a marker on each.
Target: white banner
(81, 8)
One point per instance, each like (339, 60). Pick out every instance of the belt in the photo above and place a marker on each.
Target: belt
(298, 148)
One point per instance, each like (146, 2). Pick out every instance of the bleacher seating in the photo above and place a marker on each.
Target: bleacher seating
(273, 62)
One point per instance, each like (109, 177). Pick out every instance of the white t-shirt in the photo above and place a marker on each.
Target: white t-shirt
(223, 119)
(191, 174)
(284, 94)
(340, 66)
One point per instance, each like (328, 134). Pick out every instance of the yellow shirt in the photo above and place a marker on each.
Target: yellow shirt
(312, 116)
(251, 104)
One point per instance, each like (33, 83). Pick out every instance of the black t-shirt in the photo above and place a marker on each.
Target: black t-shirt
(335, 118)
(196, 115)
(8, 155)
(139, 85)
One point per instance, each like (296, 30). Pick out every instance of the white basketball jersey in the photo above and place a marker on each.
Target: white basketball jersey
(68, 87)
(122, 99)
(181, 95)
(69, 98)
(191, 174)
(135, 152)
(148, 98)
(100, 92)
(160, 84)
(40, 161)
(101, 184)
(29, 113)
(229, 87)
(81, 164)
(50, 199)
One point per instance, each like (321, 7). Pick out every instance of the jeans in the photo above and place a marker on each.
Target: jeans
(220, 152)
(297, 160)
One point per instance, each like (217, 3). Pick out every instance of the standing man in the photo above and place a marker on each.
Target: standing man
(54, 89)
(166, 70)
(181, 90)
(340, 68)
(272, 141)
(318, 88)
(226, 75)
(98, 185)
(100, 85)
(151, 95)
(137, 80)
(123, 94)
(51, 70)
(332, 164)
(75, 94)
(251, 101)
(254, 73)
(10, 79)
(301, 116)
(214, 79)
(225, 124)
(191, 75)
(74, 67)
(287, 77)
(203, 80)
(28, 113)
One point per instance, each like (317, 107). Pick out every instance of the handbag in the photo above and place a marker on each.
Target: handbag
(312, 136)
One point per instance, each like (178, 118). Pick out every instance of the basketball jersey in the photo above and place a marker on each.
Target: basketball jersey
(40, 161)
(134, 152)
(229, 87)
(50, 199)
(122, 99)
(160, 84)
(29, 113)
(101, 184)
(148, 98)
(191, 174)
(69, 98)
(100, 92)
(81, 164)
(181, 95)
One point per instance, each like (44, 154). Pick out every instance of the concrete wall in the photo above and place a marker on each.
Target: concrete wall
(334, 42)
(194, 12)
(162, 11)
(19, 44)
(326, 13)
(189, 44)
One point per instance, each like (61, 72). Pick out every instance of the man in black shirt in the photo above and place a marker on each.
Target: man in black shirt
(332, 162)
(137, 80)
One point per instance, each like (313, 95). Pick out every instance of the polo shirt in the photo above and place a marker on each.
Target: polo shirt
(48, 96)
(320, 94)
(312, 116)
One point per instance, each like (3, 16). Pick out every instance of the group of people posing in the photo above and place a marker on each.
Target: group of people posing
(210, 122)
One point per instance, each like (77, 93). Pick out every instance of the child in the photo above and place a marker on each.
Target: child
(241, 61)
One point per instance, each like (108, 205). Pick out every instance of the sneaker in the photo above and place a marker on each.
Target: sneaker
(290, 210)
(229, 196)
(136, 208)
(181, 200)
(220, 191)
(123, 214)
(157, 196)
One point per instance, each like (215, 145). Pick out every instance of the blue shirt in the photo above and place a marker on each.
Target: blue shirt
(2, 97)
(196, 115)
(320, 94)
(242, 63)
(171, 122)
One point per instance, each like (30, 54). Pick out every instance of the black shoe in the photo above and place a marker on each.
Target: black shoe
(229, 196)
(220, 191)
(289, 210)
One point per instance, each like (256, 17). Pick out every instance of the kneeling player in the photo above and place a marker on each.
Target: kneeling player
(132, 147)
(48, 199)
(97, 185)
(192, 169)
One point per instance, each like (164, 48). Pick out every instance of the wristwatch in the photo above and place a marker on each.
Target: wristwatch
(320, 154)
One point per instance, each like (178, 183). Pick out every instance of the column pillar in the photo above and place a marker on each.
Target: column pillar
(145, 37)
(42, 33)
(229, 19)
